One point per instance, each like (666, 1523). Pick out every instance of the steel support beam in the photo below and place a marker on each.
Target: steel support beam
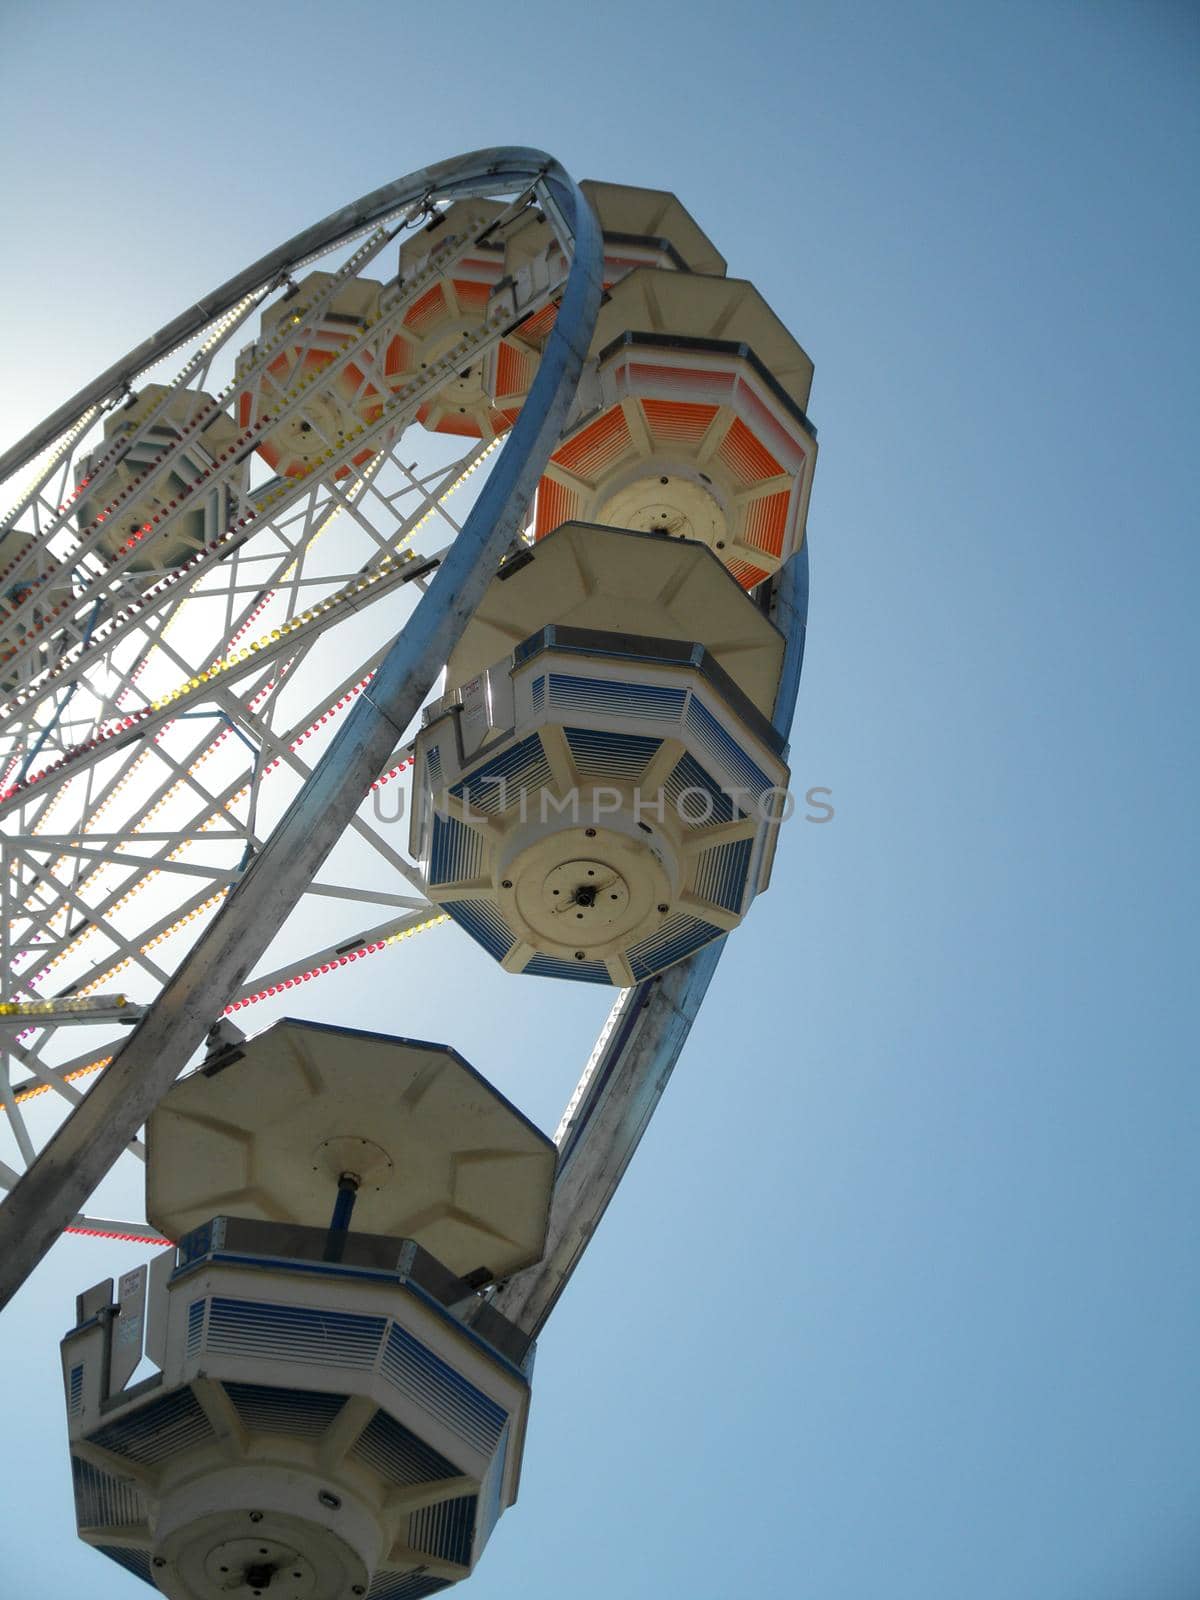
(55, 1187)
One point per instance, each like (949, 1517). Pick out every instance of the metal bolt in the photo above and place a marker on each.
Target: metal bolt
(590, 833)
(664, 908)
(256, 1516)
(160, 1561)
(357, 1589)
(580, 955)
(506, 883)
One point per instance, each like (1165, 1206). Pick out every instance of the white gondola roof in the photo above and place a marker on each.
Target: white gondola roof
(443, 1158)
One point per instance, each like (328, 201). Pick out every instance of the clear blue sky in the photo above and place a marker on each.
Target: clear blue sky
(900, 1298)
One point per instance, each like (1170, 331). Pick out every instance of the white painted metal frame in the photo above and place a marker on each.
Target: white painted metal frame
(275, 875)
(40, 884)
(250, 878)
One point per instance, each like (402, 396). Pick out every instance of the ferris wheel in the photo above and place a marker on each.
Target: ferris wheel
(484, 435)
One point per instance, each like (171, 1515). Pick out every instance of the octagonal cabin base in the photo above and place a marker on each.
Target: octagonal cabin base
(690, 422)
(598, 806)
(315, 1431)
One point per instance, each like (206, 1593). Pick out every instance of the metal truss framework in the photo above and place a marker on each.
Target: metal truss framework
(178, 775)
